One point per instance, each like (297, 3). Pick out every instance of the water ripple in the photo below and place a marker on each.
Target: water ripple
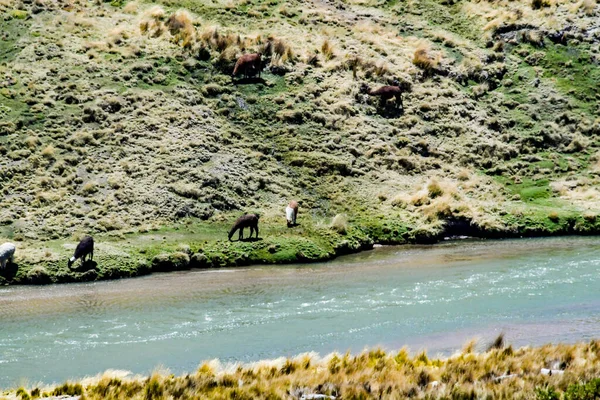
(423, 295)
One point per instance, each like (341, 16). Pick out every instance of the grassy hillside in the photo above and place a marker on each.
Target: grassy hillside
(121, 119)
(499, 373)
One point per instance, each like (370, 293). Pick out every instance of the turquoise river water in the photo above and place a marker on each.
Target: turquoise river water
(426, 297)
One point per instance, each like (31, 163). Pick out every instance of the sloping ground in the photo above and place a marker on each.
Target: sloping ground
(557, 372)
(122, 117)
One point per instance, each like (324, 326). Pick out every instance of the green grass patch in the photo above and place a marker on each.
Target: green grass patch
(19, 14)
(13, 30)
(571, 70)
(574, 72)
(449, 17)
(529, 189)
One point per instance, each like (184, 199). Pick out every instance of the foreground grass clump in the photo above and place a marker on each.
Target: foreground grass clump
(499, 373)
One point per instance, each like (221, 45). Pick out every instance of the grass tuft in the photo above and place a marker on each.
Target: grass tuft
(327, 49)
(434, 188)
(339, 223)
(49, 152)
(538, 4)
(154, 389)
(368, 375)
(181, 28)
(424, 60)
(498, 343)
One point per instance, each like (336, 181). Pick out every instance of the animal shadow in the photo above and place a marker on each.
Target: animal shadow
(85, 266)
(388, 110)
(254, 239)
(10, 271)
(249, 81)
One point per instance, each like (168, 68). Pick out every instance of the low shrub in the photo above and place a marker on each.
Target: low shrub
(340, 224)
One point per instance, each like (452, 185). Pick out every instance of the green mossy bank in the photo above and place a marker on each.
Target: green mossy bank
(197, 244)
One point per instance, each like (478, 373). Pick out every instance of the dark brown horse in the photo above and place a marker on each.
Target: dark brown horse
(385, 93)
(245, 221)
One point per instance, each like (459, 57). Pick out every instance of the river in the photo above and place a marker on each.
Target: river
(426, 297)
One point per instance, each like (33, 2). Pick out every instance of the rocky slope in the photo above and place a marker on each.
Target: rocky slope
(122, 118)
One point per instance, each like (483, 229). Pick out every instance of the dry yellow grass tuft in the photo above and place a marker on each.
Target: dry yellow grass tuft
(464, 175)
(470, 66)
(152, 22)
(434, 189)
(156, 13)
(49, 152)
(116, 36)
(438, 199)
(340, 224)
(538, 4)
(327, 49)
(589, 6)
(182, 29)
(217, 40)
(423, 59)
(595, 163)
(282, 52)
(131, 7)
(32, 142)
(90, 187)
(500, 372)
(286, 11)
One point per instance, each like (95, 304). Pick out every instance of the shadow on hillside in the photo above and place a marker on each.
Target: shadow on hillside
(85, 266)
(248, 240)
(387, 110)
(249, 81)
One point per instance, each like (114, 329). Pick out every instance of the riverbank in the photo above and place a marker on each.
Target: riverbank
(200, 244)
(548, 372)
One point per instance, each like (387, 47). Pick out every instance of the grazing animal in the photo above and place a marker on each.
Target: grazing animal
(385, 93)
(85, 247)
(248, 65)
(291, 212)
(7, 252)
(245, 221)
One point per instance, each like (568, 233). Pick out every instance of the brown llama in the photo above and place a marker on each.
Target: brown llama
(291, 212)
(245, 221)
(249, 65)
(385, 93)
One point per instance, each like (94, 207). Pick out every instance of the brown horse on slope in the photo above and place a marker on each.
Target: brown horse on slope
(245, 221)
(385, 93)
(249, 65)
